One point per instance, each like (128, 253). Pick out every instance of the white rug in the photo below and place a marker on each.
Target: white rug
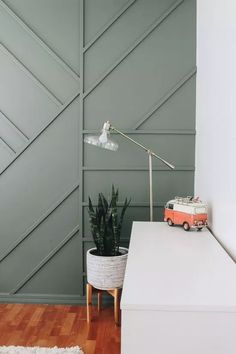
(39, 350)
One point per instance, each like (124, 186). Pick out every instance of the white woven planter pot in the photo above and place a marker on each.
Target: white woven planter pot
(106, 272)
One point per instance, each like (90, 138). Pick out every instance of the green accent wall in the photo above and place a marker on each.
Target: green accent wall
(65, 68)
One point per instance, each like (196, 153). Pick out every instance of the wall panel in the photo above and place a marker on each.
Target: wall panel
(128, 29)
(181, 152)
(63, 268)
(58, 26)
(35, 54)
(134, 184)
(39, 177)
(66, 67)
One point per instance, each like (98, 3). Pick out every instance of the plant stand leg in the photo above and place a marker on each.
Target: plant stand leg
(89, 292)
(99, 301)
(117, 295)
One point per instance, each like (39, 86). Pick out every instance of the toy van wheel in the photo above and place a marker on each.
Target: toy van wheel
(199, 228)
(186, 226)
(170, 222)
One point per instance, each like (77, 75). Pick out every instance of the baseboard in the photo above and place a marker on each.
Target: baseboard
(47, 299)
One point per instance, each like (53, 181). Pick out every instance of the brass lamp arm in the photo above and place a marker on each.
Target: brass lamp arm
(149, 151)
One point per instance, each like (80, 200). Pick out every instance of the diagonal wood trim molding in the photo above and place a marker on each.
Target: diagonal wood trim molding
(157, 23)
(109, 24)
(165, 98)
(45, 260)
(41, 131)
(29, 73)
(49, 50)
(13, 126)
(9, 148)
(34, 226)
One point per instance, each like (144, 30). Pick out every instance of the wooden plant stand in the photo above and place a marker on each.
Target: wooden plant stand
(116, 293)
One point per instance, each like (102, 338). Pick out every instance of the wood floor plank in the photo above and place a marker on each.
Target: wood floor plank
(59, 325)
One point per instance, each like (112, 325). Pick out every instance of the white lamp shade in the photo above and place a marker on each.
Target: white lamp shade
(101, 141)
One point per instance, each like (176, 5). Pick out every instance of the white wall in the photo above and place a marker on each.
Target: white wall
(215, 179)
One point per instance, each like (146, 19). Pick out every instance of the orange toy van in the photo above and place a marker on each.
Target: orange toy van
(189, 212)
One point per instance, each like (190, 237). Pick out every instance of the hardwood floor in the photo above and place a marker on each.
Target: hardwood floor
(59, 325)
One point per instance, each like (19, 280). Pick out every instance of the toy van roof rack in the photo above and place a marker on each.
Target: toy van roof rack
(187, 200)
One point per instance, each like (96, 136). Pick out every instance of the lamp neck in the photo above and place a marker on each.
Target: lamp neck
(130, 139)
(150, 152)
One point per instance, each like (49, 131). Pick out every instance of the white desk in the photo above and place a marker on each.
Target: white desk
(179, 294)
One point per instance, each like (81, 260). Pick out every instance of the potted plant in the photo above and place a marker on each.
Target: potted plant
(107, 261)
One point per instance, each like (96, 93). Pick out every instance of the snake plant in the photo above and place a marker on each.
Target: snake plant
(106, 223)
